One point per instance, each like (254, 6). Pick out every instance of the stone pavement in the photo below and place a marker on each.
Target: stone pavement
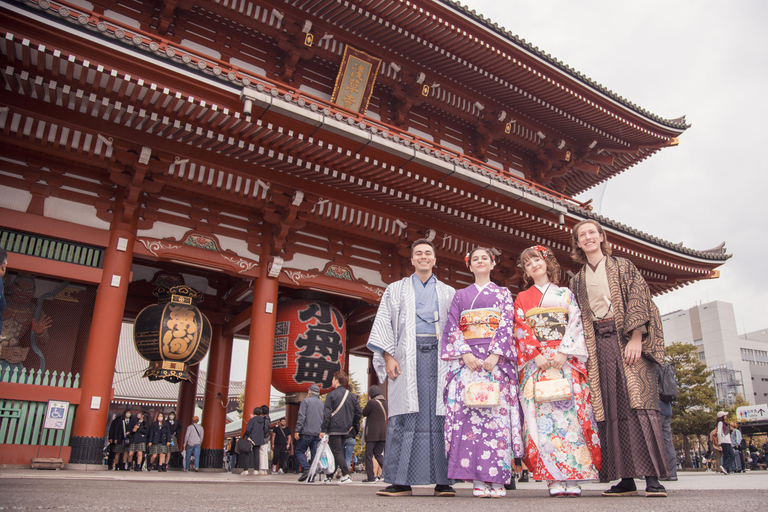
(25, 489)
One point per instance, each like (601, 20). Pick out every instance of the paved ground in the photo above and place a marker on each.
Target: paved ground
(102, 490)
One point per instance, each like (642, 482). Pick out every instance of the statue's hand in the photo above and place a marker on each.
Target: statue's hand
(42, 324)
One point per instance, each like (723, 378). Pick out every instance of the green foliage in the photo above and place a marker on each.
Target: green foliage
(694, 412)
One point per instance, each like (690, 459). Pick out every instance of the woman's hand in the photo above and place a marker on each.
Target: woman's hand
(542, 362)
(559, 361)
(490, 362)
(471, 362)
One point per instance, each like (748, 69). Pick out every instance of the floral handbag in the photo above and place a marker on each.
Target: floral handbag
(552, 389)
(482, 390)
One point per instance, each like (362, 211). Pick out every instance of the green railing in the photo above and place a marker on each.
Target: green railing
(51, 248)
(21, 421)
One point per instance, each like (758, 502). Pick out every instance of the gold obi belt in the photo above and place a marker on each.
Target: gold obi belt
(548, 324)
(479, 323)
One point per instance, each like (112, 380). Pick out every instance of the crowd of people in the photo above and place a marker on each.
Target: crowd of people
(564, 379)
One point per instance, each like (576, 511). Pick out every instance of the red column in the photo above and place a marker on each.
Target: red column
(101, 352)
(216, 397)
(185, 409)
(258, 377)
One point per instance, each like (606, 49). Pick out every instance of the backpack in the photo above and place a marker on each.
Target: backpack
(667, 383)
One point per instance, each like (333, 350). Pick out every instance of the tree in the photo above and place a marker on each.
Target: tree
(694, 411)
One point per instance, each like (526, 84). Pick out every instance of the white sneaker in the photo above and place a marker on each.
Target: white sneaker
(346, 480)
(280, 472)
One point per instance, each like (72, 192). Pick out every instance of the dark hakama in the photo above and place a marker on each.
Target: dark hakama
(631, 439)
(415, 453)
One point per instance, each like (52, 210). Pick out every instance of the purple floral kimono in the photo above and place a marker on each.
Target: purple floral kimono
(481, 442)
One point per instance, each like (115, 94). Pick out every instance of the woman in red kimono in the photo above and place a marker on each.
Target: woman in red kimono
(561, 445)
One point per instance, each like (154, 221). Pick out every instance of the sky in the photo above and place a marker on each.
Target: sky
(702, 59)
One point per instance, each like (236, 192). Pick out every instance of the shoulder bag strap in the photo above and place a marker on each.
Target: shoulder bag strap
(383, 410)
(334, 413)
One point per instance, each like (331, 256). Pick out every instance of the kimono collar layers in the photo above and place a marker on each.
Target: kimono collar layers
(626, 284)
(394, 332)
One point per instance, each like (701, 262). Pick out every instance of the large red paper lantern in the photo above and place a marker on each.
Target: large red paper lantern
(310, 339)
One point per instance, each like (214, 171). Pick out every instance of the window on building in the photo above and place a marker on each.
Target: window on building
(759, 357)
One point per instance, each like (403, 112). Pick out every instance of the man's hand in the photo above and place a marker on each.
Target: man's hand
(393, 367)
(542, 362)
(472, 362)
(296, 436)
(322, 435)
(634, 349)
(559, 361)
(490, 362)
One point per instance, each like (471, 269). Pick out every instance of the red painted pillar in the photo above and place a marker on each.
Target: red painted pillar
(185, 409)
(216, 399)
(258, 376)
(101, 352)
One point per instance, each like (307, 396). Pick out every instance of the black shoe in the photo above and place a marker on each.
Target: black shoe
(445, 491)
(624, 488)
(523, 477)
(669, 479)
(657, 491)
(303, 476)
(368, 480)
(311, 479)
(396, 490)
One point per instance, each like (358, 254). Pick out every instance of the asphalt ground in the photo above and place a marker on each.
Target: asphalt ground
(27, 489)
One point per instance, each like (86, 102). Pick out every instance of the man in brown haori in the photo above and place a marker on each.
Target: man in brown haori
(622, 328)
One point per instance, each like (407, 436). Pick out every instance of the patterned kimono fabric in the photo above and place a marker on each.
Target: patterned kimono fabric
(481, 442)
(561, 441)
(630, 434)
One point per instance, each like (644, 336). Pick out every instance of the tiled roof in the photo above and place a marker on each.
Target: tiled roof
(678, 123)
(129, 383)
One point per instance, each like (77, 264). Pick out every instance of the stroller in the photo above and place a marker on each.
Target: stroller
(323, 465)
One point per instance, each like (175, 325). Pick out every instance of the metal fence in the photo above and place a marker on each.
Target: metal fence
(21, 421)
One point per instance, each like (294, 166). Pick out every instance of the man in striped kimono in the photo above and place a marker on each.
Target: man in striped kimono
(405, 344)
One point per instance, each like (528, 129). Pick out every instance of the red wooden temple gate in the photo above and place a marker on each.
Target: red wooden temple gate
(199, 139)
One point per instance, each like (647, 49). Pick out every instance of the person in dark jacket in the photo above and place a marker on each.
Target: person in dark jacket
(138, 445)
(174, 429)
(341, 418)
(375, 435)
(158, 442)
(120, 432)
(257, 432)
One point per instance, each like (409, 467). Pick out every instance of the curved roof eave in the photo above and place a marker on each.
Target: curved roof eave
(676, 124)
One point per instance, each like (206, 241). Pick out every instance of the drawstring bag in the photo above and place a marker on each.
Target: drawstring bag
(552, 389)
(482, 390)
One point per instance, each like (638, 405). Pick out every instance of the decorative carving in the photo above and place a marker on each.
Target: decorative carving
(244, 264)
(378, 290)
(66, 295)
(275, 265)
(202, 241)
(298, 275)
(339, 272)
(154, 246)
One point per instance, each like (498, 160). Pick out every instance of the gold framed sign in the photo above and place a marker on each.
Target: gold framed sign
(355, 81)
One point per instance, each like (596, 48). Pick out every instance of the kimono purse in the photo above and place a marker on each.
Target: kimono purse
(482, 391)
(552, 390)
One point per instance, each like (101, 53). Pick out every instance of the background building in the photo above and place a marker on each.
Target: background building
(739, 363)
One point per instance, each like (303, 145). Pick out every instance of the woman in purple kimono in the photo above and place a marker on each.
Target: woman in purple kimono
(482, 421)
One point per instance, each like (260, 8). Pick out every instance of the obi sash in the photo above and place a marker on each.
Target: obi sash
(479, 323)
(548, 324)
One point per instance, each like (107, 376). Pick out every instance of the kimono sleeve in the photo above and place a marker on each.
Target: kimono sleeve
(637, 309)
(527, 343)
(573, 343)
(503, 342)
(452, 343)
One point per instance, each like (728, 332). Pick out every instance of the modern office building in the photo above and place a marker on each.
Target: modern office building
(739, 363)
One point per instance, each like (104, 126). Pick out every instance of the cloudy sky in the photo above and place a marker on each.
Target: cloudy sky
(703, 59)
(706, 60)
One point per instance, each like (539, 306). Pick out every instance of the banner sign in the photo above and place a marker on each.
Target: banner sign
(355, 81)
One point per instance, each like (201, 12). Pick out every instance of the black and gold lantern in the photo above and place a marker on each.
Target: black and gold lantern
(172, 334)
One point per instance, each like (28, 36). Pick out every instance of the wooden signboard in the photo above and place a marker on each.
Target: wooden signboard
(355, 81)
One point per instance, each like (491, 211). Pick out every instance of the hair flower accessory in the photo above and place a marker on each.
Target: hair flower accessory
(541, 249)
(466, 260)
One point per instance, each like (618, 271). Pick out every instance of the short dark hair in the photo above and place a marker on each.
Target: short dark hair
(421, 241)
(342, 378)
(257, 410)
(3, 256)
(264, 410)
